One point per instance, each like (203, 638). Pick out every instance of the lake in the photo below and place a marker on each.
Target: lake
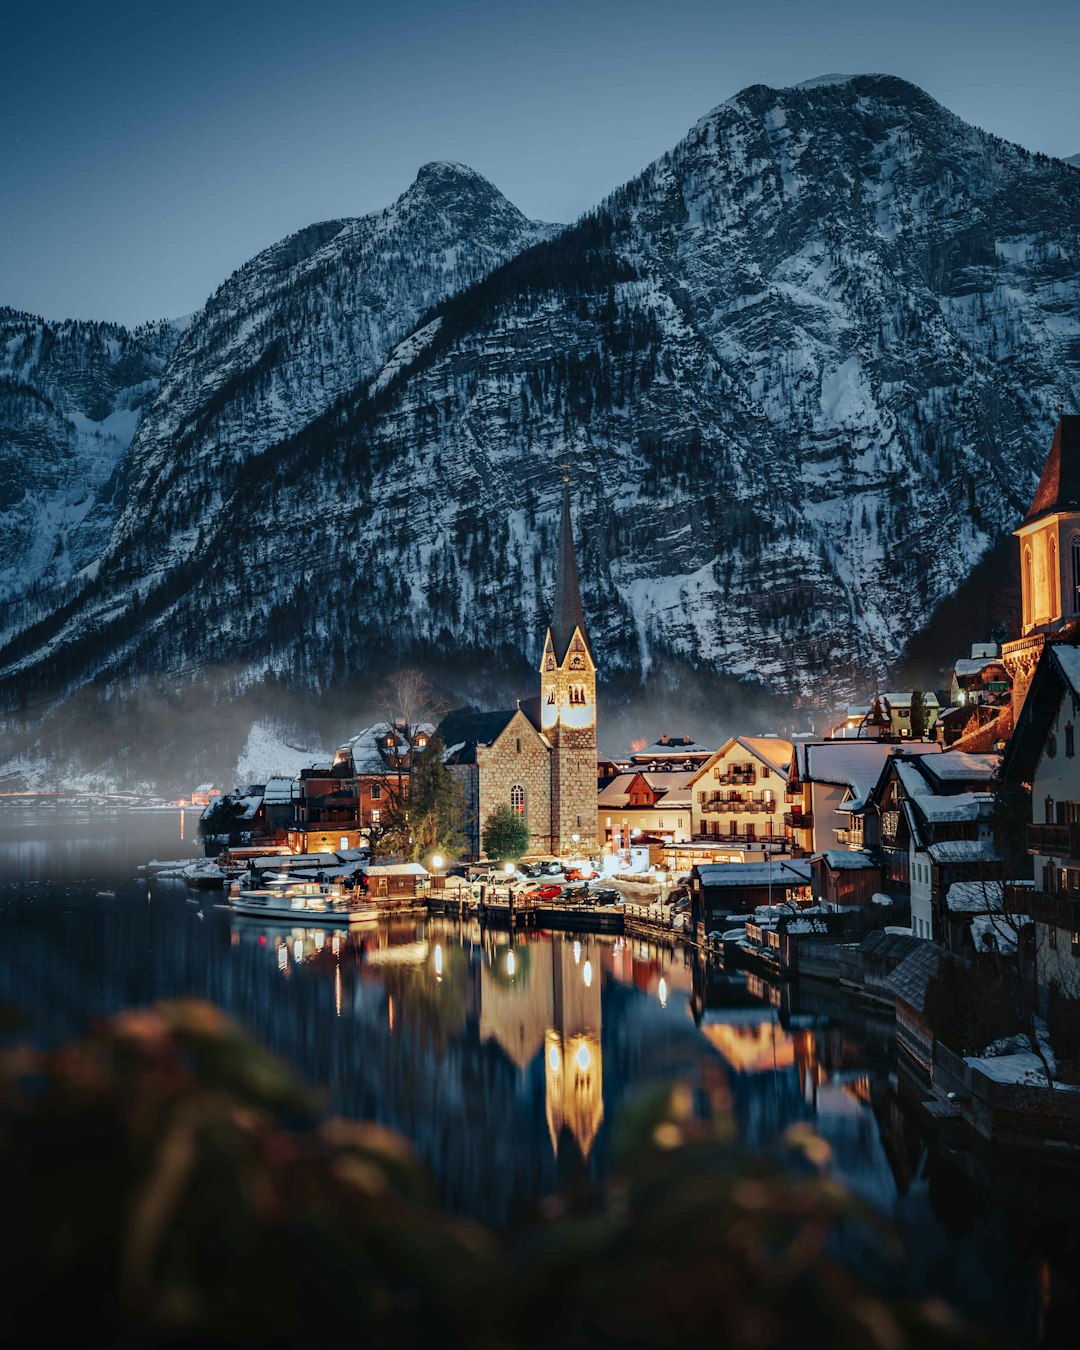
(508, 1063)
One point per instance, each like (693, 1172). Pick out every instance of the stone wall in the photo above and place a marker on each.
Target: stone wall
(520, 757)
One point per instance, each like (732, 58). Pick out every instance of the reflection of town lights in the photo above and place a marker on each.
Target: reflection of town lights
(335, 944)
(511, 963)
(662, 991)
(337, 989)
(438, 960)
(586, 974)
(553, 1057)
(584, 1059)
(577, 953)
(298, 950)
(320, 939)
(282, 957)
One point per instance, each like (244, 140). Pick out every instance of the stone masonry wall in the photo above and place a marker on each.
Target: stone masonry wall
(502, 765)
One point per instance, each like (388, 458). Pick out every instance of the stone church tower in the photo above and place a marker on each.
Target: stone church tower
(1049, 560)
(568, 705)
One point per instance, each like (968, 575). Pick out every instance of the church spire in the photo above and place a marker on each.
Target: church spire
(567, 612)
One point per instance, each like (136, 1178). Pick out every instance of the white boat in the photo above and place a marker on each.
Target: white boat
(302, 902)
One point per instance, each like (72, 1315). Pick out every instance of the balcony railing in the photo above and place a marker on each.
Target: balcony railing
(722, 808)
(737, 777)
(1058, 841)
(793, 795)
(799, 820)
(1061, 908)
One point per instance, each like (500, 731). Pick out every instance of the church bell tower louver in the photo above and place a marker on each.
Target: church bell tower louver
(568, 704)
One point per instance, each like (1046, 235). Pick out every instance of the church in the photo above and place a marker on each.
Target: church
(540, 757)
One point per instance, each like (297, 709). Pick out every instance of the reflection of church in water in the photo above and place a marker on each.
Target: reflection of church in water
(546, 997)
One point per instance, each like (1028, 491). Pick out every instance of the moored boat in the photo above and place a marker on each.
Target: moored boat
(302, 902)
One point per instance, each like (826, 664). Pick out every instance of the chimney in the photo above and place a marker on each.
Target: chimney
(664, 739)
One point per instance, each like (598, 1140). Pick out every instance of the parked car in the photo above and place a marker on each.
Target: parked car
(606, 896)
(575, 894)
(548, 891)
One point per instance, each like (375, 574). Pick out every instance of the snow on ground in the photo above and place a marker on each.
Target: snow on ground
(267, 755)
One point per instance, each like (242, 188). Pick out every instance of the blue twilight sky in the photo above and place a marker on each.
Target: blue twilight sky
(150, 148)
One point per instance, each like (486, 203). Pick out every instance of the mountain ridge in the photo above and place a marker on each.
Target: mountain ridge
(805, 364)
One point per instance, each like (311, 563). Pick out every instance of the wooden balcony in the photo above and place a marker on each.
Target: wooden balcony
(718, 807)
(737, 778)
(1054, 841)
(799, 820)
(1061, 908)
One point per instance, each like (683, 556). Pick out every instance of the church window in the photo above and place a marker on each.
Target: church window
(1028, 589)
(1074, 569)
(1053, 577)
(577, 694)
(1051, 745)
(551, 696)
(517, 799)
(1070, 741)
(519, 745)
(1049, 804)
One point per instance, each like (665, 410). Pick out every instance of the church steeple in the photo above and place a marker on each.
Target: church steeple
(568, 704)
(567, 612)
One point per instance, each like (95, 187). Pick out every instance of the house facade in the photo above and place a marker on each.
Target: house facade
(736, 795)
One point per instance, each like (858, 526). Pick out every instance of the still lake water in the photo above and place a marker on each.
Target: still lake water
(507, 1065)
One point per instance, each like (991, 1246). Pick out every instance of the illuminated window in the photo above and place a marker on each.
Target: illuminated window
(517, 799)
(1074, 552)
(375, 817)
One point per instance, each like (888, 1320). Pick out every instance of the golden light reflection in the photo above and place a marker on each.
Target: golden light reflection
(337, 989)
(661, 989)
(438, 961)
(511, 963)
(752, 1047)
(586, 974)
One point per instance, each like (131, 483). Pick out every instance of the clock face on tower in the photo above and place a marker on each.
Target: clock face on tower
(577, 662)
(549, 664)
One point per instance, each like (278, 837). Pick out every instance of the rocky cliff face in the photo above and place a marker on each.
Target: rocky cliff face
(805, 367)
(71, 395)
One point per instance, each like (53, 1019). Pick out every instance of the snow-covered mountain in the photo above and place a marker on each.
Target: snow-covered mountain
(70, 399)
(806, 367)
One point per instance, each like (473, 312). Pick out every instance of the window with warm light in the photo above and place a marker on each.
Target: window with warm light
(517, 799)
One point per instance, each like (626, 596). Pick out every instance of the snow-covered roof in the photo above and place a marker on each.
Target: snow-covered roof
(394, 870)
(368, 747)
(963, 766)
(771, 750)
(995, 932)
(616, 793)
(968, 665)
(1068, 658)
(846, 860)
(278, 790)
(854, 764)
(677, 748)
(786, 874)
(974, 897)
(964, 850)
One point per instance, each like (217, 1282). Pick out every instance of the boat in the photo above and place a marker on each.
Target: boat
(302, 902)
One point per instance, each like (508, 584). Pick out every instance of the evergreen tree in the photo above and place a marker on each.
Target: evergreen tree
(918, 715)
(505, 836)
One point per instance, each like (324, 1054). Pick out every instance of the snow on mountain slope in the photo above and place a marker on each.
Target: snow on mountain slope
(302, 324)
(805, 367)
(71, 395)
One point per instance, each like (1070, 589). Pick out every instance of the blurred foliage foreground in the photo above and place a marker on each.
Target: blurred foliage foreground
(168, 1182)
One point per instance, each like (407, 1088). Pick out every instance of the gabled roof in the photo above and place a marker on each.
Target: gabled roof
(910, 978)
(846, 860)
(890, 946)
(1059, 486)
(462, 730)
(772, 751)
(1057, 674)
(670, 787)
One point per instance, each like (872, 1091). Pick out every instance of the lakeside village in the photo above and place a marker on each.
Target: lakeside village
(925, 856)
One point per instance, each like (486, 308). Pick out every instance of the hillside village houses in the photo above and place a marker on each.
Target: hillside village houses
(871, 808)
